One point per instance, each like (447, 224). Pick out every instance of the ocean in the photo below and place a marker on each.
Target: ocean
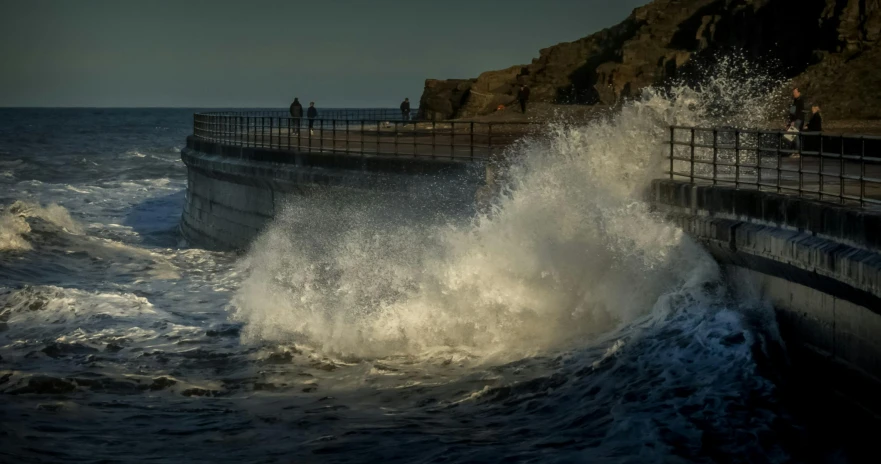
(569, 324)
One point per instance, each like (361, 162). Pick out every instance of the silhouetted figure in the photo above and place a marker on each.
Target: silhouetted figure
(796, 111)
(796, 122)
(815, 124)
(311, 113)
(523, 97)
(296, 113)
(405, 110)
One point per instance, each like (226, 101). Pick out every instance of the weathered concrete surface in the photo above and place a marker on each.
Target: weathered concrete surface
(818, 264)
(234, 192)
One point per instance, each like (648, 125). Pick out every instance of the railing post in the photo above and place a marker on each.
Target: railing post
(672, 150)
(471, 139)
(362, 137)
(452, 140)
(378, 135)
(758, 165)
(841, 192)
(691, 170)
(716, 153)
(489, 137)
(862, 171)
(822, 170)
(321, 135)
(433, 138)
(270, 131)
(333, 135)
(736, 159)
(779, 162)
(395, 128)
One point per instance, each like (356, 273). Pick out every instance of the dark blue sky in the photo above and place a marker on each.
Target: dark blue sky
(216, 53)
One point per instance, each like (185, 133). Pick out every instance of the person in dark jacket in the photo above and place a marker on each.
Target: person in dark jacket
(796, 111)
(405, 110)
(311, 113)
(815, 124)
(296, 113)
(523, 97)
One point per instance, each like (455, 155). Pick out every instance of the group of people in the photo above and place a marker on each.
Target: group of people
(297, 114)
(797, 115)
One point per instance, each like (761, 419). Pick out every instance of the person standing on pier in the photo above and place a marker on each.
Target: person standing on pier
(296, 113)
(523, 97)
(311, 113)
(405, 110)
(796, 111)
(815, 124)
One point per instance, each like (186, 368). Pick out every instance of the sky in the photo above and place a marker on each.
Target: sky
(261, 53)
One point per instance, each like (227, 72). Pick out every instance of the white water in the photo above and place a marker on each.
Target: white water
(569, 251)
(568, 324)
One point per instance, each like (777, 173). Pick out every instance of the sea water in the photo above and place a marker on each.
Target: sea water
(567, 324)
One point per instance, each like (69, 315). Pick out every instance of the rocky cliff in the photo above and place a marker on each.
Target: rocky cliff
(827, 46)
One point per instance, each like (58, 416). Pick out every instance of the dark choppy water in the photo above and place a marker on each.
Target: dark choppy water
(121, 344)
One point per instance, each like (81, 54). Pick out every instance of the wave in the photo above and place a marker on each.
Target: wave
(569, 251)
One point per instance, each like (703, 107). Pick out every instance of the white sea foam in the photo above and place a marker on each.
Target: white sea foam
(569, 250)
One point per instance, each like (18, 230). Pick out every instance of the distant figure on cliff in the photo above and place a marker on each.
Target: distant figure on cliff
(405, 110)
(311, 113)
(296, 113)
(523, 97)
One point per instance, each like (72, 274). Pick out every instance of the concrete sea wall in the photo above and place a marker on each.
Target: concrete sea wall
(819, 264)
(233, 192)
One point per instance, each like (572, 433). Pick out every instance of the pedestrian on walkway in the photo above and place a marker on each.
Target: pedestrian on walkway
(296, 113)
(311, 113)
(523, 97)
(796, 122)
(405, 110)
(796, 111)
(815, 124)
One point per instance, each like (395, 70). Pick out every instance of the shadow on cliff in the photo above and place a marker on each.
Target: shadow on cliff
(784, 37)
(785, 32)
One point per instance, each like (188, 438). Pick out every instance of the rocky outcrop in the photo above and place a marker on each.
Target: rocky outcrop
(442, 99)
(823, 44)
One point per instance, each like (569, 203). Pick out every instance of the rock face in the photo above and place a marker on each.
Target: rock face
(827, 46)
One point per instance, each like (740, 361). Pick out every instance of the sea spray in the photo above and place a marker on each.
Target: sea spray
(570, 249)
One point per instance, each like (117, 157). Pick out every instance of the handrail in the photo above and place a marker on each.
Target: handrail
(460, 140)
(840, 168)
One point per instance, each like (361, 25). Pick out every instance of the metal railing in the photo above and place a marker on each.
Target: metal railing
(437, 139)
(845, 169)
(340, 114)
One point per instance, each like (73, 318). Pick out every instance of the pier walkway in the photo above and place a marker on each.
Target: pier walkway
(844, 169)
(351, 133)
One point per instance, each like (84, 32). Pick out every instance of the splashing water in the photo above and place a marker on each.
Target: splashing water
(569, 250)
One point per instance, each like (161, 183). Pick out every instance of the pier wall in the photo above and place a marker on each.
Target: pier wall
(233, 192)
(819, 264)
